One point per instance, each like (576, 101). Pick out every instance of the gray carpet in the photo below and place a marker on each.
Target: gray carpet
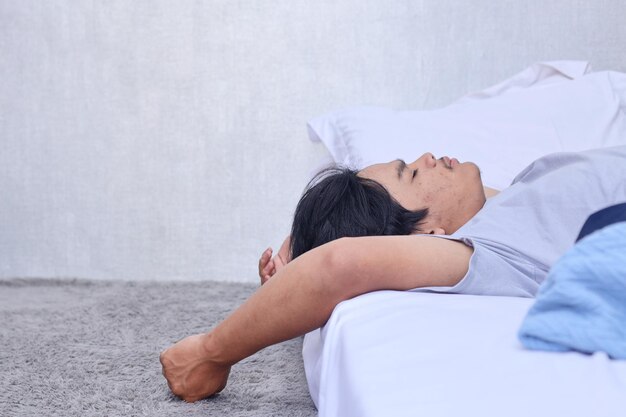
(82, 348)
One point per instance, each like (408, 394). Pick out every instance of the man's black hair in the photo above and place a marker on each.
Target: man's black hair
(338, 203)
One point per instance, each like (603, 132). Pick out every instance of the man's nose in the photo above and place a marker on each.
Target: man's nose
(428, 160)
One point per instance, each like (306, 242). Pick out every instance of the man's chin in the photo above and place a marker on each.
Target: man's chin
(473, 167)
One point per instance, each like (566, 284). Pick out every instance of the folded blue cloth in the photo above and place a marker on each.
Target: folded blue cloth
(582, 304)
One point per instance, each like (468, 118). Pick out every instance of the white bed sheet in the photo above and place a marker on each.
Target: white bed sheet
(394, 353)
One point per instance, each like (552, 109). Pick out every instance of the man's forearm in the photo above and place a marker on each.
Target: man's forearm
(298, 299)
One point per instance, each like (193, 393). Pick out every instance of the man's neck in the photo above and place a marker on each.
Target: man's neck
(490, 192)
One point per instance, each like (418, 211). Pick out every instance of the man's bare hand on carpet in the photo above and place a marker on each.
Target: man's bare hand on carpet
(190, 370)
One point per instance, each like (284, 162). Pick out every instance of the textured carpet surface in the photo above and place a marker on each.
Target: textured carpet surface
(83, 348)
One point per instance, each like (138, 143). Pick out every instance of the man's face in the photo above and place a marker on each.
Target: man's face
(452, 191)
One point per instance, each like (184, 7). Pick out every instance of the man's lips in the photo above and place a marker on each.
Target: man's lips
(449, 162)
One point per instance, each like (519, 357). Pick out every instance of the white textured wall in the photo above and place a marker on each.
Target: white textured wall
(167, 140)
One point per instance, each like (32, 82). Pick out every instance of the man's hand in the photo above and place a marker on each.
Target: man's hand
(268, 266)
(189, 370)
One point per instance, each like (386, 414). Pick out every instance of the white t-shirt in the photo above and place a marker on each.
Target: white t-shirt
(520, 233)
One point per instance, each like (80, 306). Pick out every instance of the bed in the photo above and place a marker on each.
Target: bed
(417, 354)
(422, 353)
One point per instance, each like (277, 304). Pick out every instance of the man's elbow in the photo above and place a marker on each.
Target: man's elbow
(338, 263)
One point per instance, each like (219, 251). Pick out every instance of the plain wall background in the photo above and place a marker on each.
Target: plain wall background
(167, 139)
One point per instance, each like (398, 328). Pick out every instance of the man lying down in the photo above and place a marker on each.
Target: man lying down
(429, 224)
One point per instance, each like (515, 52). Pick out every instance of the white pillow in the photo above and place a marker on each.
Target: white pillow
(549, 107)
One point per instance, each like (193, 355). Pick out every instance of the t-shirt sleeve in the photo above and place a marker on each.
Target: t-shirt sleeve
(493, 270)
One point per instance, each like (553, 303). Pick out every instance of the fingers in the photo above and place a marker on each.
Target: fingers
(268, 272)
(162, 359)
(270, 268)
(265, 257)
(161, 356)
(266, 265)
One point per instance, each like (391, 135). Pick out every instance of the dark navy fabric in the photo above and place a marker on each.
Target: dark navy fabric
(603, 218)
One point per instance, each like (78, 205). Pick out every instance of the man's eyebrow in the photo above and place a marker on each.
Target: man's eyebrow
(401, 167)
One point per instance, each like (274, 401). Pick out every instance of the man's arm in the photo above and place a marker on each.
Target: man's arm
(301, 297)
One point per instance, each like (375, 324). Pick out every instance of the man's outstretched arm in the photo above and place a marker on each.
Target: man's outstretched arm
(301, 297)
